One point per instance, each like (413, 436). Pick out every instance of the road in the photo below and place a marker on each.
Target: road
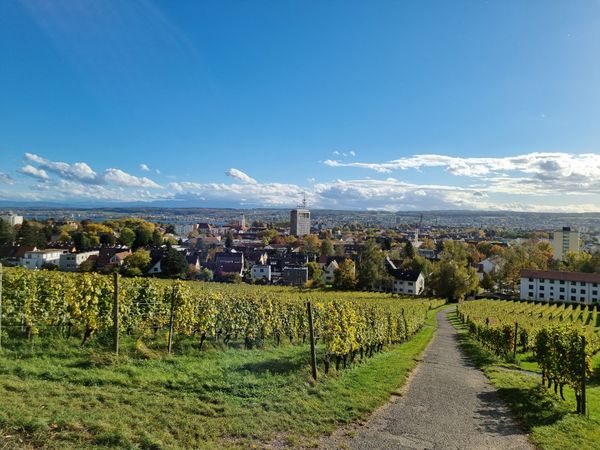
(448, 404)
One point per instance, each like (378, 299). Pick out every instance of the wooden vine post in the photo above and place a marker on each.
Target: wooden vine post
(116, 313)
(171, 321)
(583, 374)
(313, 352)
(516, 338)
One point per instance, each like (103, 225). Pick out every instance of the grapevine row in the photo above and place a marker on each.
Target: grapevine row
(348, 324)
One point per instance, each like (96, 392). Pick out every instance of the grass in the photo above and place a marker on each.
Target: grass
(551, 422)
(68, 397)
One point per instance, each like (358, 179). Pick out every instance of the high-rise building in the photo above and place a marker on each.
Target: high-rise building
(12, 219)
(564, 241)
(300, 220)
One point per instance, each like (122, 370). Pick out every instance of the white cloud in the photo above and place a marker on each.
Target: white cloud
(34, 172)
(352, 153)
(83, 173)
(78, 171)
(144, 167)
(5, 178)
(239, 175)
(528, 173)
(117, 176)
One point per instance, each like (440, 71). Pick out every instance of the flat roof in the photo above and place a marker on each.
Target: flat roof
(561, 275)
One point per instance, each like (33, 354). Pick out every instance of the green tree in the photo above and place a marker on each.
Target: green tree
(174, 264)
(85, 241)
(143, 235)
(345, 276)
(453, 281)
(31, 234)
(7, 233)
(315, 273)
(371, 267)
(157, 238)
(205, 275)
(140, 259)
(127, 237)
(487, 282)
(327, 248)
(409, 250)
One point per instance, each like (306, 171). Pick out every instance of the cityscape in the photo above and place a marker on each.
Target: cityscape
(337, 225)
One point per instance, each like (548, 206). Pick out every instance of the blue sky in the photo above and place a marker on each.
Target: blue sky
(371, 105)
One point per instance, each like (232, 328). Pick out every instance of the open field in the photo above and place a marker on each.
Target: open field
(550, 421)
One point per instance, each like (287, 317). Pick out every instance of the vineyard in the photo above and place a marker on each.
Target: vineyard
(562, 338)
(348, 324)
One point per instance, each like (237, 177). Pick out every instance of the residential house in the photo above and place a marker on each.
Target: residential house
(260, 272)
(296, 276)
(70, 262)
(406, 281)
(35, 259)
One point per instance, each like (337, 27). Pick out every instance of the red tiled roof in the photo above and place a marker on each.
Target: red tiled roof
(561, 275)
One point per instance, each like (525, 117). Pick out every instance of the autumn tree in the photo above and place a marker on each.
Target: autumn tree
(345, 276)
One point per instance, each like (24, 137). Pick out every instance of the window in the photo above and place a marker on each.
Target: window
(595, 284)
(582, 291)
(582, 283)
(542, 296)
(562, 297)
(595, 292)
(562, 289)
(541, 288)
(531, 294)
(531, 279)
(410, 283)
(531, 286)
(562, 281)
(551, 281)
(573, 291)
(573, 298)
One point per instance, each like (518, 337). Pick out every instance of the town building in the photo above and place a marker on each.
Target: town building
(564, 241)
(35, 259)
(261, 272)
(70, 262)
(410, 282)
(559, 286)
(489, 265)
(300, 220)
(296, 276)
(12, 219)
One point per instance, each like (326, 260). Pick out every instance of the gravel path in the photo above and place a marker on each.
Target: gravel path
(449, 404)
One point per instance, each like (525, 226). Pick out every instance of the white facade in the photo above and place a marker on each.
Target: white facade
(261, 272)
(564, 241)
(300, 221)
(12, 219)
(561, 287)
(35, 259)
(409, 287)
(329, 271)
(70, 262)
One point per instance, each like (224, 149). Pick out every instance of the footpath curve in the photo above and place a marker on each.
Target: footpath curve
(448, 404)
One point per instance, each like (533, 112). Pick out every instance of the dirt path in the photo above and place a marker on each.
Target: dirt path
(448, 404)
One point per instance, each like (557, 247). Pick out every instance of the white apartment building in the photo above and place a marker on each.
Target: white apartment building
(36, 258)
(261, 272)
(12, 219)
(564, 241)
(70, 262)
(561, 287)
